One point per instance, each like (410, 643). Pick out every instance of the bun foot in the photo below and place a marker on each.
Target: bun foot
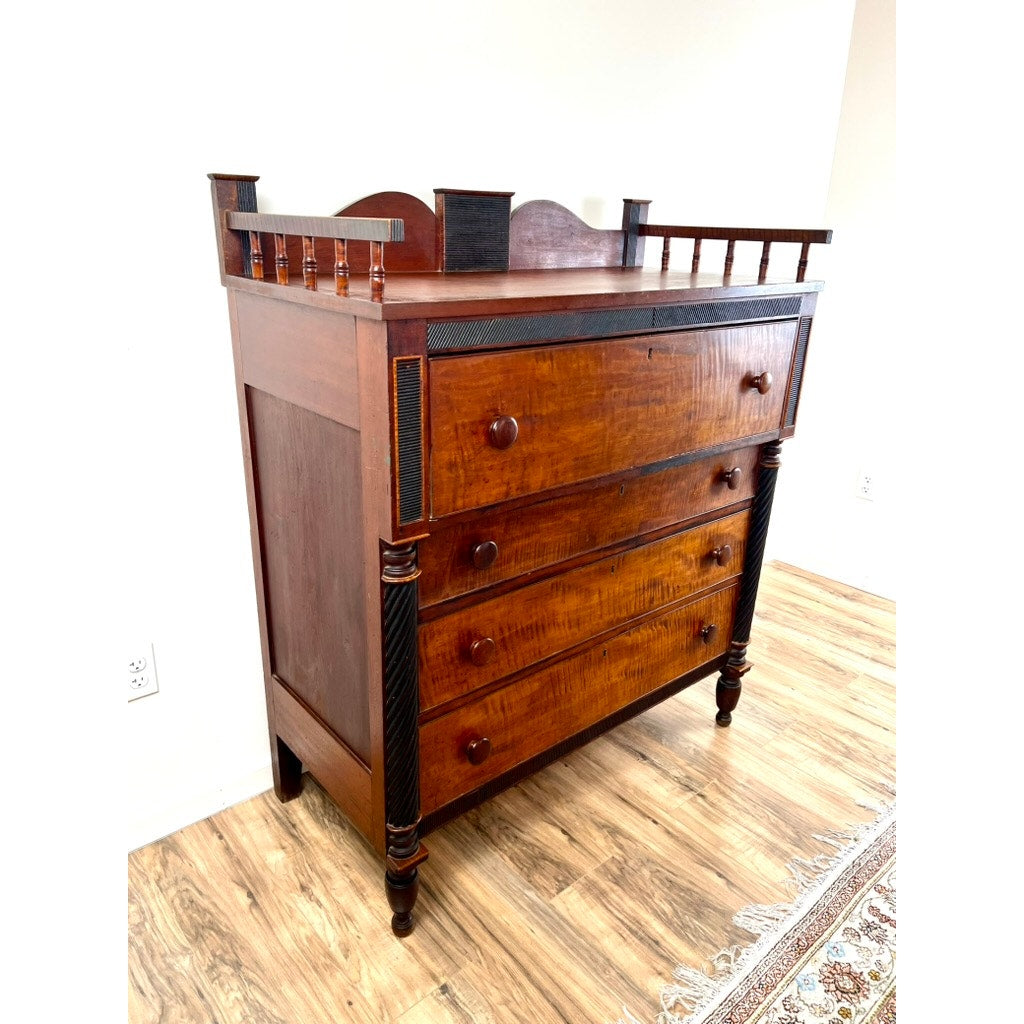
(402, 895)
(730, 686)
(401, 924)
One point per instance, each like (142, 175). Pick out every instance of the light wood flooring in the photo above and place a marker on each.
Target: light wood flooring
(565, 899)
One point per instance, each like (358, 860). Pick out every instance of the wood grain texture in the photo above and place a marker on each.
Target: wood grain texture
(549, 532)
(307, 469)
(303, 356)
(546, 618)
(413, 295)
(416, 251)
(524, 718)
(592, 408)
(344, 775)
(605, 870)
(545, 235)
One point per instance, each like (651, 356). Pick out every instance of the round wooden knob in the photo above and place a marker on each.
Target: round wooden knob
(732, 477)
(708, 633)
(481, 651)
(477, 751)
(484, 554)
(503, 432)
(722, 555)
(762, 383)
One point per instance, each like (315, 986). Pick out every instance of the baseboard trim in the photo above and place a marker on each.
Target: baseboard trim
(161, 822)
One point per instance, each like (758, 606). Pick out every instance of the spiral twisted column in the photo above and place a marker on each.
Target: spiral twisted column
(730, 685)
(401, 735)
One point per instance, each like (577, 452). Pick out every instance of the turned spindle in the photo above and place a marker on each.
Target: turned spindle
(376, 271)
(695, 262)
(281, 258)
(801, 267)
(762, 272)
(730, 252)
(665, 248)
(341, 268)
(256, 255)
(308, 263)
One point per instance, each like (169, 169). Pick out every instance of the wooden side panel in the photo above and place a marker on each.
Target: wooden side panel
(589, 409)
(304, 355)
(527, 625)
(550, 532)
(332, 764)
(525, 718)
(309, 504)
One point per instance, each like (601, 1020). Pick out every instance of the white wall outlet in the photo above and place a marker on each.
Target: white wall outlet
(865, 485)
(142, 672)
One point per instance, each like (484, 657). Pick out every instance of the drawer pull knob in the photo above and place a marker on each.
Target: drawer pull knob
(484, 554)
(732, 477)
(762, 383)
(503, 433)
(722, 555)
(708, 633)
(482, 651)
(477, 751)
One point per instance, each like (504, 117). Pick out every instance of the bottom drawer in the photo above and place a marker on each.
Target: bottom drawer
(527, 717)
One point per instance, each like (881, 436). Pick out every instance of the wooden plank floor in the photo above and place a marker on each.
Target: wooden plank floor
(562, 900)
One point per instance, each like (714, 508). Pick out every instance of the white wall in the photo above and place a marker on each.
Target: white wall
(848, 410)
(720, 112)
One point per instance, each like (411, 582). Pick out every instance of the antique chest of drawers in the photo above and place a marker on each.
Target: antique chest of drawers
(494, 511)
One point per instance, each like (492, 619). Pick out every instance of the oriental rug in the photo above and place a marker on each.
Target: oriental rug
(828, 957)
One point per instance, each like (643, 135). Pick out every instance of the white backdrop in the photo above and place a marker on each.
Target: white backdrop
(721, 113)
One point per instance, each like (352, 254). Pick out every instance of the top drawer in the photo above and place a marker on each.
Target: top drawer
(504, 424)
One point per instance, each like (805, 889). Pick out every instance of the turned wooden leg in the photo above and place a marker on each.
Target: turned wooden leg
(730, 685)
(287, 771)
(401, 880)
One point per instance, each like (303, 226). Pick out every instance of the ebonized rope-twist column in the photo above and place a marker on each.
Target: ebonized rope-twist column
(727, 692)
(401, 735)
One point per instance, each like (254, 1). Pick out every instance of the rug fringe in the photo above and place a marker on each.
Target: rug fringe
(697, 991)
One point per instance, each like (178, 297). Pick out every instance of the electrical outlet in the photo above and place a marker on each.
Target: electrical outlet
(142, 673)
(865, 485)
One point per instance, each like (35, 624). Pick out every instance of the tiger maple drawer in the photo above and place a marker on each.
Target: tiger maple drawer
(465, 650)
(497, 546)
(505, 424)
(475, 743)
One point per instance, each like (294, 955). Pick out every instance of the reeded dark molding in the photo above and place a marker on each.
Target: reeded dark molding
(233, 193)
(802, 338)
(409, 416)
(508, 331)
(760, 514)
(475, 229)
(727, 693)
(634, 213)
(401, 731)
(246, 204)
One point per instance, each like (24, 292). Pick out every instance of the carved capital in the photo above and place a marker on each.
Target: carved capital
(399, 563)
(771, 455)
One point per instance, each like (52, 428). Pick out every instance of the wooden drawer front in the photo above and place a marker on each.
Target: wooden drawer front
(505, 424)
(468, 649)
(499, 545)
(528, 716)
